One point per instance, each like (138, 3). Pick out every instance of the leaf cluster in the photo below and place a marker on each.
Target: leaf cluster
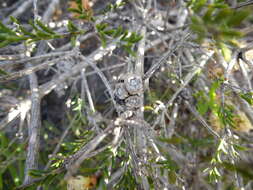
(217, 22)
(11, 162)
(82, 11)
(127, 39)
(39, 32)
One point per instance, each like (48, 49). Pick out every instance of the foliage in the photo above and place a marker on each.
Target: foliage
(11, 162)
(218, 22)
(39, 32)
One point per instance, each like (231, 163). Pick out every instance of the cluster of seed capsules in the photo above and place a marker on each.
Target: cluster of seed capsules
(128, 90)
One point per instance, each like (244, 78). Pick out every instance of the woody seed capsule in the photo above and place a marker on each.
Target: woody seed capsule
(133, 84)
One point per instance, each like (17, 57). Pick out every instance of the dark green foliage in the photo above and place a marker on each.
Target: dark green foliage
(226, 115)
(12, 157)
(81, 13)
(248, 97)
(113, 7)
(127, 181)
(126, 39)
(218, 22)
(39, 31)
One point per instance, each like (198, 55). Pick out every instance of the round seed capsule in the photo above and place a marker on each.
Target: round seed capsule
(133, 84)
(133, 102)
(120, 91)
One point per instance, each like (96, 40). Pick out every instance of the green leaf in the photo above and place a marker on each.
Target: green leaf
(16, 38)
(202, 107)
(240, 148)
(1, 180)
(198, 27)
(202, 103)
(205, 142)
(207, 18)
(196, 20)
(83, 17)
(78, 2)
(26, 32)
(172, 177)
(190, 3)
(226, 52)
(37, 173)
(168, 164)
(43, 35)
(44, 27)
(13, 19)
(222, 15)
(212, 94)
(237, 18)
(80, 7)
(124, 35)
(33, 25)
(230, 33)
(198, 5)
(226, 115)
(222, 146)
(219, 5)
(172, 140)
(103, 39)
(118, 32)
(75, 10)
(134, 38)
(12, 38)
(2, 72)
(5, 29)
(101, 26)
(241, 167)
(72, 27)
(48, 179)
(4, 43)
(4, 36)
(129, 50)
(89, 171)
(73, 40)
(109, 32)
(248, 97)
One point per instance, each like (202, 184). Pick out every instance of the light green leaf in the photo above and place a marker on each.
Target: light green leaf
(44, 27)
(226, 52)
(237, 18)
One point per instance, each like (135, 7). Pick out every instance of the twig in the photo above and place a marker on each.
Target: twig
(115, 177)
(105, 81)
(34, 123)
(190, 75)
(171, 127)
(33, 129)
(82, 154)
(48, 87)
(244, 105)
(156, 66)
(139, 138)
(201, 119)
(35, 58)
(30, 70)
(243, 4)
(85, 88)
(69, 45)
(245, 75)
(20, 10)
(57, 148)
(50, 10)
